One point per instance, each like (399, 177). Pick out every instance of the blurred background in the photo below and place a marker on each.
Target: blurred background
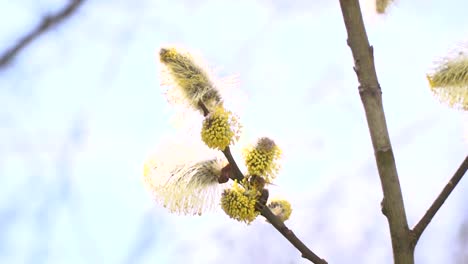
(81, 108)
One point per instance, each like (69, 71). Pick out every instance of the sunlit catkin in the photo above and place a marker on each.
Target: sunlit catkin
(262, 159)
(449, 81)
(183, 175)
(239, 203)
(220, 129)
(186, 189)
(188, 79)
(381, 6)
(281, 208)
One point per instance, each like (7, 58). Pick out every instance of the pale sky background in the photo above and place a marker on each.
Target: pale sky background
(81, 109)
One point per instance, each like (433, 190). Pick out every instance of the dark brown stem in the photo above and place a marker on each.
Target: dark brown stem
(237, 174)
(204, 108)
(439, 201)
(291, 237)
(265, 211)
(46, 24)
(371, 97)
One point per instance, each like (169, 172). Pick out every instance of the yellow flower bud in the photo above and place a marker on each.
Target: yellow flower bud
(220, 129)
(261, 160)
(239, 203)
(281, 208)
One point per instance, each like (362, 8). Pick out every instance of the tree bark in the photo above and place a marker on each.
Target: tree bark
(371, 96)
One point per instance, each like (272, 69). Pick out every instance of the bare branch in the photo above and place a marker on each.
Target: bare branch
(265, 210)
(46, 24)
(371, 97)
(439, 201)
(275, 221)
(291, 237)
(237, 172)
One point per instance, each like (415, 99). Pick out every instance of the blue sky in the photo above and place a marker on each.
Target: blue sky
(84, 109)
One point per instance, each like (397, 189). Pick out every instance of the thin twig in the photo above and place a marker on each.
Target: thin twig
(46, 24)
(266, 212)
(278, 224)
(371, 97)
(237, 172)
(291, 237)
(439, 201)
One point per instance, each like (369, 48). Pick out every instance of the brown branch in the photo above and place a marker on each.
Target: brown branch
(439, 201)
(291, 237)
(46, 24)
(265, 210)
(371, 97)
(237, 172)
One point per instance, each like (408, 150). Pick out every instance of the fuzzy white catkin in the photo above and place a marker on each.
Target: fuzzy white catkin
(183, 176)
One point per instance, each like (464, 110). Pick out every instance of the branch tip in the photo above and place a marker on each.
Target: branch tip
(48, 22)
(439, 201)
